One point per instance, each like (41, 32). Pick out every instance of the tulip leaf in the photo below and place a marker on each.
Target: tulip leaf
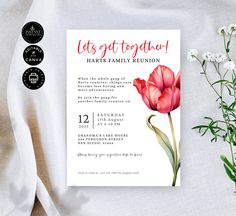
(178, 165)
(163, 141)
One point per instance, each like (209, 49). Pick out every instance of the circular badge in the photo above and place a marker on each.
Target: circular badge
(32, 32)
(33, 55)
(33, 78)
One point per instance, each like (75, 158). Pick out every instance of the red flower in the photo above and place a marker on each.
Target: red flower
(162, 90)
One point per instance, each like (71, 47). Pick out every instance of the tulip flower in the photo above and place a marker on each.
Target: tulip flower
(161, 92)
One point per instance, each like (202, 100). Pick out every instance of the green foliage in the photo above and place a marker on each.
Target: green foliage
(212, 127)
(164, 141)
(229, 168)
(223, 129)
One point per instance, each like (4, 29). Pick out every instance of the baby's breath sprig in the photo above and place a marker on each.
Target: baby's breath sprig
(225, 90)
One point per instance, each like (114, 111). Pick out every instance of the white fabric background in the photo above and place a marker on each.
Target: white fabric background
(33, 148)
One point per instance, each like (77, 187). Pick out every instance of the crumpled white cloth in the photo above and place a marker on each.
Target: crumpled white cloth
(33, 148)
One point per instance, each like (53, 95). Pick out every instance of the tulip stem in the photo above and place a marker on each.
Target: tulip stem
(175, 149)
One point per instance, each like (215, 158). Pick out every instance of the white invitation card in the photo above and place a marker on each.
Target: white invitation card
(123, 107)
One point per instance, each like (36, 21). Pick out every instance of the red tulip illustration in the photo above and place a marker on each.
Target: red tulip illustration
(161, 93)
(162, 90)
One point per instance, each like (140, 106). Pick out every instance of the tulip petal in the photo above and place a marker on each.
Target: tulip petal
(156, 78)
(169, 100)
(168, 77)
(176, 98)
(139, 84)
(145, 97)
(154, 94)
(162, 77)
(165, 102)
(177, 81)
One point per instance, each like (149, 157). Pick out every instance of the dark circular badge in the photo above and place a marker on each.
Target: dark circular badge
(33, 55)
(32, 32)
(33, 78)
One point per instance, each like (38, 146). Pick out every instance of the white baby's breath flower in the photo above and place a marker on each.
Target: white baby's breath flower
(229, 65)
(223, 30)
(192, 54)
(220, 57)
(232, 29)
(208, 56)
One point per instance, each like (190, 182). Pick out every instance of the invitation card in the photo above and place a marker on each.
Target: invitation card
(123, 107)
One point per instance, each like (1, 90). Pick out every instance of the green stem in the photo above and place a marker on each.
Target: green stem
(234, 77)
(220, 93)
(175, 150)
(205, 74)
(227, 122)
(225, 46)
(224, 113)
